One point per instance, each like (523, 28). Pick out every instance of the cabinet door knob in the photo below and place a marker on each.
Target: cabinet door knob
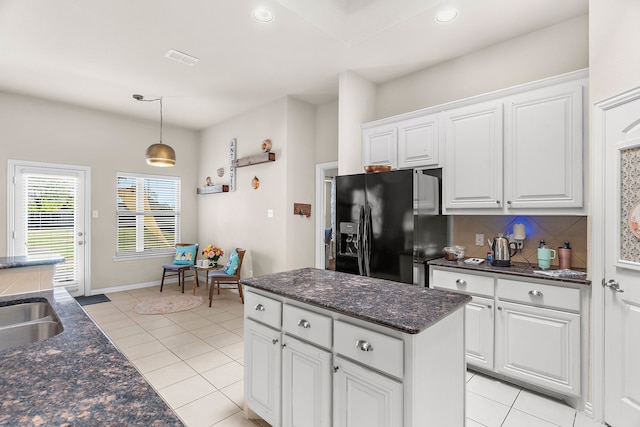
(461, 282)
(304, 324)
(259, 307)
(364, 345)
(500, 308)
(535, 293)
(498, 201)
(489, 306)
(508, 202)
(275, 341)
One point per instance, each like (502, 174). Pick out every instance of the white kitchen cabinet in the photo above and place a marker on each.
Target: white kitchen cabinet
(380, 146)
(539, 346)
(530, 330)
(419, 142)
(363, 397)
(543, 148)
(521, 153)
(343, 371)
(403, 143)
(479, 332)
(306, 384)
(473, 159)
(262, 361)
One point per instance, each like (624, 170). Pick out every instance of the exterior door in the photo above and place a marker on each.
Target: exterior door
(48, 215)
(620, 135)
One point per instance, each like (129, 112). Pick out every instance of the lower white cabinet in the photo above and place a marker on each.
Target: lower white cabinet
(539, 346)
(262, 360)
(307, 366)
(306, 384)
(479, 332)
(530, 330)
(363, 397)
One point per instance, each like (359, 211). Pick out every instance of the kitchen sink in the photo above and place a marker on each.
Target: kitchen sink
(27, 321)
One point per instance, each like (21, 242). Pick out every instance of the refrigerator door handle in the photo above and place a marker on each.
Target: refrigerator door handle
(360, 241)
(368, 236)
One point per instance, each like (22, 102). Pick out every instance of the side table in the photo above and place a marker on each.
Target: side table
(198, 269)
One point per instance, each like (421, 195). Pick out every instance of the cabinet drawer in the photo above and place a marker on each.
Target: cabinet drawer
(307, 325)
(539, 294)
(263, 309)
(463, 282)
(369, 348)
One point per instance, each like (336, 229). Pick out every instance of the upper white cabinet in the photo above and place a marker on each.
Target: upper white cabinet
(403, 142)
(473, 171)
(517, 151)
(380, 146)
(529, 163)
(418, 142)
(543, 148)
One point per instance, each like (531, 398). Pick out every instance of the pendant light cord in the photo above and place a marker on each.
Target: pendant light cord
(160, 120)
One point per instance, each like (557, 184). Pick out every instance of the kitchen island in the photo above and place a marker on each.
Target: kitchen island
(77, 377)
(348, 350)
(19, 274)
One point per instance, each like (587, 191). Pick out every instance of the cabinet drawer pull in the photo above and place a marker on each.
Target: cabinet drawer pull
(535, 293)
(304, 324)
(364, 345)
(461, 282)
(259, 307)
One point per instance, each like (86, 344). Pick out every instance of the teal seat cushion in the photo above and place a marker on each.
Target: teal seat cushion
(185, 254)
(232, 264)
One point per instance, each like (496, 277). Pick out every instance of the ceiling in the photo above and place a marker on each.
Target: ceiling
(97, 53)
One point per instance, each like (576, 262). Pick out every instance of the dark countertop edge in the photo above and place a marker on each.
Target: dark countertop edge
(517, 269)
(29, 261)
(460, 301)
(88, 381)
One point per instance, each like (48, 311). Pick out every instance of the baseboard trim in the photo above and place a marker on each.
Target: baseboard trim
(130, 287)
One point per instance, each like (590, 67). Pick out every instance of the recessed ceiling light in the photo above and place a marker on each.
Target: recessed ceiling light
(446, 15)
(262, 15)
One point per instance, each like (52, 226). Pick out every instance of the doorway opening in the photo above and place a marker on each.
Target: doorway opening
(48, 206)
(325, 215)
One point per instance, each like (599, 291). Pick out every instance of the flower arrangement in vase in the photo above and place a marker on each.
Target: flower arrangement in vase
(213, 254)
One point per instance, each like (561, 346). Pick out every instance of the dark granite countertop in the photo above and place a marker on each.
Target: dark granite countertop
(516, 269)
(76, 378)
(407, 308)
(29, 261)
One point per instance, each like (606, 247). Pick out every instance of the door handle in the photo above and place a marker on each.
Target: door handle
(612, 284)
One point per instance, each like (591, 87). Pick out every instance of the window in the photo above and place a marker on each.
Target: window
(148, 215)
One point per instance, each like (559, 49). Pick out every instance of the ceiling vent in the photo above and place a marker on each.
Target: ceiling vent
(181, 57)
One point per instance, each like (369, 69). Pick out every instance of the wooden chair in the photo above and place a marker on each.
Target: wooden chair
(219, 276)
(179, 269)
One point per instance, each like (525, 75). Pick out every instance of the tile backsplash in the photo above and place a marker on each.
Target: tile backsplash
(554, 230)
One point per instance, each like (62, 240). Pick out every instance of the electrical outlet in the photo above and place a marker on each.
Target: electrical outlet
(479, 239)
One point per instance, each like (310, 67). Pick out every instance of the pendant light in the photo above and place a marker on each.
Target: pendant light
(160, 155)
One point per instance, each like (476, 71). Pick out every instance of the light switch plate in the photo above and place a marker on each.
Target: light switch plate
(479, 239)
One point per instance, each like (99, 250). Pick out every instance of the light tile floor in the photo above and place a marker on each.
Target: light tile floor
(194, 359)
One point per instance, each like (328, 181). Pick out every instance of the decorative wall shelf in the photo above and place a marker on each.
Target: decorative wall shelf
(254, 160)
(212, 189)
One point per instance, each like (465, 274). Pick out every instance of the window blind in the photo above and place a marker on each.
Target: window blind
(148, 214)
(50, 219)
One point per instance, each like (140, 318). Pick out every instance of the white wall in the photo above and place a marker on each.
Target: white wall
(614, 62)
(327, 132)
(548, 52)
(38, 130)
(240, 218)
(300, 188)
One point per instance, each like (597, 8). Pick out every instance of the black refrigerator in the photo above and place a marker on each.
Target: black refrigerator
(390, 224)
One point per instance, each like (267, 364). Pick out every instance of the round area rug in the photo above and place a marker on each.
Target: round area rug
(166, 305)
